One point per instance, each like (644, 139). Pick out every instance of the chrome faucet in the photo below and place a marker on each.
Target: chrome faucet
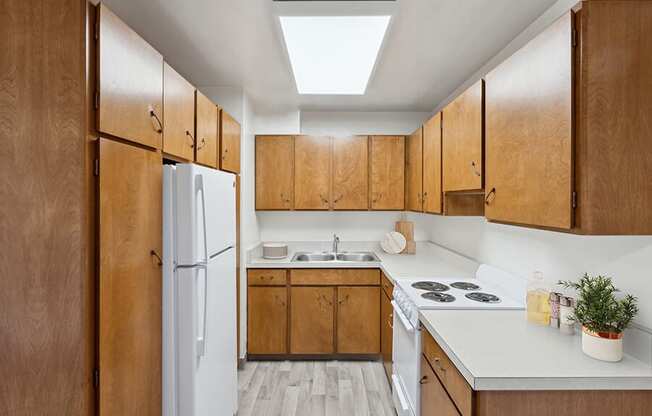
(336, 243)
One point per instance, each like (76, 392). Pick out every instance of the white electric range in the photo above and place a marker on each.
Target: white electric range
(490, 289)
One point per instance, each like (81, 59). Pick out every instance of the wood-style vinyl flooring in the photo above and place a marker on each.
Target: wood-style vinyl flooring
(314, 388)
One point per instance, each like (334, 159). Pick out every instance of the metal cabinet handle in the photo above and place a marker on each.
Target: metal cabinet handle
(377, 198)
(284, 199)
(159, 261)
(346, 298)
(389, 321)
(158, 127)
(202, 144)
(192, 139)
(337, 199)
(425, 195)
(475, 169)
(324, 200)
(423, 380)
(488, 201)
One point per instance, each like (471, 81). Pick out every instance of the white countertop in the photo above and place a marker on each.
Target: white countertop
(430, 260)
(499, 350)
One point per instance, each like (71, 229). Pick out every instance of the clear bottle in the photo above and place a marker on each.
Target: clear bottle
(538, 300)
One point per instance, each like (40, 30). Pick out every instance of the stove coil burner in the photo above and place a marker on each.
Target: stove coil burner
(465, 286)
(430, 286)
(438, 297)
(483, 297)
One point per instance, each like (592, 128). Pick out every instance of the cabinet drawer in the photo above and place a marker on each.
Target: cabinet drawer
(434, 400)
(457, 387)
(266, 277)
(331, 277)
(388, 286)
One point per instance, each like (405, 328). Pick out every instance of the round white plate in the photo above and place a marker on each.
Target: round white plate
(393, 242)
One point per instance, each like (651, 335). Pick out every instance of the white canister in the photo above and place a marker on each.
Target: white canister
(604, 347)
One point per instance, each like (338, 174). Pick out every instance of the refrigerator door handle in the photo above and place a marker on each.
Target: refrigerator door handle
(201, 340)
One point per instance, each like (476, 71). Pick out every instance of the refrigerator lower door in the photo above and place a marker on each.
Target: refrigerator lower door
(207, 373)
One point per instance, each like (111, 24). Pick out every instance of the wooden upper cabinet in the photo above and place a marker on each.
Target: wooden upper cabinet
(387, 172)
(432, 195)
(229, 143)
(350, 173)
(358, 312)
(274, 172)
(206, 137)
(179, 121)
(529, 132)
(130, 83)
(312, 320)
(312, 172)
(267, 314)
(129, 310)
(462, 141)
(414, 168)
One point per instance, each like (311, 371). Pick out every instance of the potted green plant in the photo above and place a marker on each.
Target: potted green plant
(602, 315)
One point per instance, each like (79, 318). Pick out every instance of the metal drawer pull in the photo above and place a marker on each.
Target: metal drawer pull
(192, 139)
(202, 144)
(487, 201)
(159, 127)
(475, 170)
(423, 380)
(158, 258)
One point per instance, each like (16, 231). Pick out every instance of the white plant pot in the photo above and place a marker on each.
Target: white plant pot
(602, 348)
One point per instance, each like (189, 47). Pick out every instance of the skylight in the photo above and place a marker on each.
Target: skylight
(333, 54)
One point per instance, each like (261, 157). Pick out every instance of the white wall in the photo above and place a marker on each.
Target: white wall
(344, 123)
(627, 259)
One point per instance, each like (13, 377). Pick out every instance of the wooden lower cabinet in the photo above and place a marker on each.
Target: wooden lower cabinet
(358, 314)
(312, 320)
(130, 242)
(386, 331)
(267, 327)
(434, 399)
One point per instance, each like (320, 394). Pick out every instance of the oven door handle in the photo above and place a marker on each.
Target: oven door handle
(401, 316)
(398, 388)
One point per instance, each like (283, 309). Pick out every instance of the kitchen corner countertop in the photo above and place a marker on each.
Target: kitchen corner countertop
(499, 350)
(431, 260)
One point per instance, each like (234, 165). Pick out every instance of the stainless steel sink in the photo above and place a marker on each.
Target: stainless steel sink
(358, 257)
(314, 257)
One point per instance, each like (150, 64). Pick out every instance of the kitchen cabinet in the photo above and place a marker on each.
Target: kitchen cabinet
(230, 132)
(274, 172)
(387, 172)
(529, 132)
(414, 171)
(312, 172)
(267, 277)
(129, 286)
(130, 83)
(432, 194)
(206, 137)
(312, 320)
(462, 141)
(434, 400)
(386, 322)
(350, 173)
(358, 309)
(333, 277)
(568, 127)
(267, 327)
(179, 121)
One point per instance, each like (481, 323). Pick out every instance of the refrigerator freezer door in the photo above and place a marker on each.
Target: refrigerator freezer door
(205, 201)
(207, 374)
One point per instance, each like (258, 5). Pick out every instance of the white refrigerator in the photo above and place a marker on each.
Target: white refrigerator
(199, 292)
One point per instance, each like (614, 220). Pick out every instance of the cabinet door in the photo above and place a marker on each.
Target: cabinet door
(434, 399)
(274, 172)
(179, 121)
(312, 320)
(387, 172)
(415, 171)
(529, 132)
(358, 318)
(386, 332)
(206, 137)
(462, 141)
(130, 233)
(267, 320)
(312, 176)
(432, 195)
(130, 83)
(230, 143)
(350, 173)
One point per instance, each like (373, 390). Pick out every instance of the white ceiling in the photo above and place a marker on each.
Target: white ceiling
(432, 46)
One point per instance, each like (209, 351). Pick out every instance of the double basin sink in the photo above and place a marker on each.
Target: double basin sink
(353, 257)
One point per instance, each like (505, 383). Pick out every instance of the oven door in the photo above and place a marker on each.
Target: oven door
(405, 368)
